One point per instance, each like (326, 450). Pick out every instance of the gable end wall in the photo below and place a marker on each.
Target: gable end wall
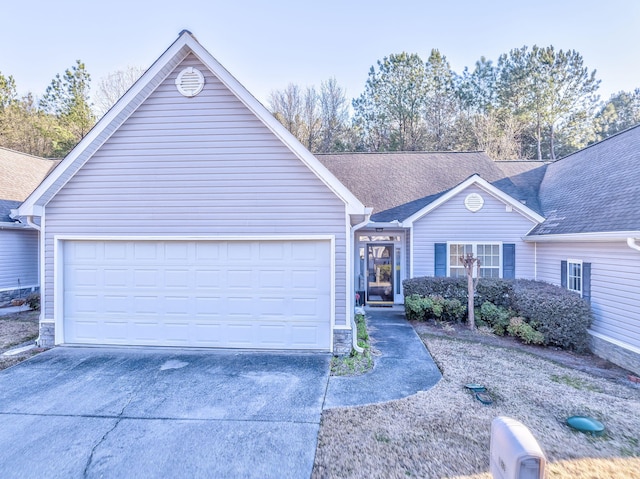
(451, 221)
(201, 166)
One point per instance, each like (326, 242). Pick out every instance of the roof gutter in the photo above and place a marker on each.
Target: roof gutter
(631, 242)
(6, 225)
(582, 237)
(354, 228)
(15, 215)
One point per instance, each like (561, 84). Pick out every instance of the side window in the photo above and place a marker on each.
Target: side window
(575, 275)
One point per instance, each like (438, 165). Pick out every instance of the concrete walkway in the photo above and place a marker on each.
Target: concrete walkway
(403, 368)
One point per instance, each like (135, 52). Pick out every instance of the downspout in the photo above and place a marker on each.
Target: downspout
(631, 243)
(354, 328)
(32, 224)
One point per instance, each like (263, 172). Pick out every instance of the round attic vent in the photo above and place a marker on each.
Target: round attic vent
(474, 202)
(190, 82)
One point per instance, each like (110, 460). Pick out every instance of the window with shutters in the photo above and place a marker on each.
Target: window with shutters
(489, 255)
(574, 276)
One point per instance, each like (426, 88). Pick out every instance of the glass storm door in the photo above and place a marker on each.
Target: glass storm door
(380, 273)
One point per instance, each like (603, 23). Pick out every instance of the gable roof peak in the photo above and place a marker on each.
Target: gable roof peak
(168, 61)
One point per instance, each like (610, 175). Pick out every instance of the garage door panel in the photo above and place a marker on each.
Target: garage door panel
(245, 294)
(177, 279)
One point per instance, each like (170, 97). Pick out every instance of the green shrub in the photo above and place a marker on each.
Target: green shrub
(520, 329)
(413, 307)
(495, 290)
(495, 316)
(435, 306)
(418, 308)
(449, 288)
(562, 316)
(33, 300)
(454, 310)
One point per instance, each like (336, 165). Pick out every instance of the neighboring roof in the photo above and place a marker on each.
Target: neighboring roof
(20, 174)
(594, 189)
(398, 184)
(140, 91)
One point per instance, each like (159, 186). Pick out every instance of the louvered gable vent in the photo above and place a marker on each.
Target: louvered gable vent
(474, 202)
(190, 82)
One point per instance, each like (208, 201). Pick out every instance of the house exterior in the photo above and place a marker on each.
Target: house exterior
(590, 240)
(190, 217)
(20, 174)
(572, 223)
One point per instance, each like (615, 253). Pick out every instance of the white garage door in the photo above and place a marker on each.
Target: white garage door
(226, 294)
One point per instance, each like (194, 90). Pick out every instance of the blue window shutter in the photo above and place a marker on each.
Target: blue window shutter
(440, 259)
(563, 274)
(509, 261)
(586, 281)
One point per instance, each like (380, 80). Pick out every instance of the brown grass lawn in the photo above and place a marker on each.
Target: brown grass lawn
(445, 432)
(16, 329)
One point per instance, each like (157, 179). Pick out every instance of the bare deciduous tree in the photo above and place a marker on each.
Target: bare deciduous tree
(113, 86)
(286, 106)
(334, 115)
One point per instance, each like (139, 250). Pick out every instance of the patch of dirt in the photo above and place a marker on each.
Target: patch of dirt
(586, 362)
(16, 329)
(445, 432)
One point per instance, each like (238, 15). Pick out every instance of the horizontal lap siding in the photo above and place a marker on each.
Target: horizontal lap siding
(452, 222)
(201, 166)
(18, 258)
(615, 283)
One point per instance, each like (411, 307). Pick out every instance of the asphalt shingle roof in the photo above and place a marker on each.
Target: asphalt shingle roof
(398, 184)
(20, 174)
(594, 189)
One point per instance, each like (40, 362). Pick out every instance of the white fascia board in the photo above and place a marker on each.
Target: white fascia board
(354, 205)
(599, 236)
(486, 186)
(31, 207)
(395, 224)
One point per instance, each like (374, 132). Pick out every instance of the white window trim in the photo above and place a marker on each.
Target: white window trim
(474, 246)
(569, 263)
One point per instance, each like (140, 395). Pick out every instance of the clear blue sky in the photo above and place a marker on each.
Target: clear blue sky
(267, 44)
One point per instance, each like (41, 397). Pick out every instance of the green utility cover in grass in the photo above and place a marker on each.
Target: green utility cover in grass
(586, 424)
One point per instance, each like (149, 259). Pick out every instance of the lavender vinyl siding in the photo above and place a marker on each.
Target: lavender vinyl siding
(18, 259)
(452, 222)
(614, 283)
(201, 166)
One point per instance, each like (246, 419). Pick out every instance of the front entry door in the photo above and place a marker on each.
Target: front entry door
(380, 273)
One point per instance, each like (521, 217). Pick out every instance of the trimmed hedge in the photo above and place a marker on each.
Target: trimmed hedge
(495, 290)
(561, 316)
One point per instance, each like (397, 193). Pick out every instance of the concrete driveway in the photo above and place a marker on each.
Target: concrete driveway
(82, 412)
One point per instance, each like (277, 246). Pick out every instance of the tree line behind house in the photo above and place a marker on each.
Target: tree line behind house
(532, 103)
